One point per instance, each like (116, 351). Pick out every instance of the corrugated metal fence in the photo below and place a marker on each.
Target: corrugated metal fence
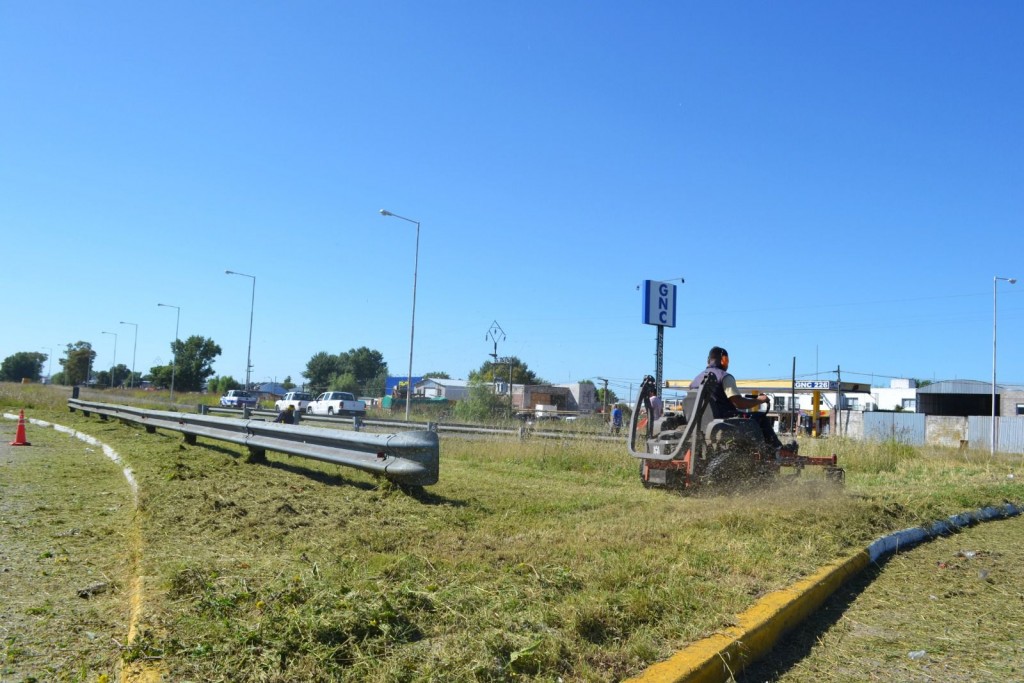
(1011, 433)
(908, 428)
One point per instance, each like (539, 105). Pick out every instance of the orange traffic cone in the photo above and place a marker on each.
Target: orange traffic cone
(19, 436)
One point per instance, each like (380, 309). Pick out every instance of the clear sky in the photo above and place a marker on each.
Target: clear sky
(837, 182)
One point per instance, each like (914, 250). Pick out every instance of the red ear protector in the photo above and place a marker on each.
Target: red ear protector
(725, 361)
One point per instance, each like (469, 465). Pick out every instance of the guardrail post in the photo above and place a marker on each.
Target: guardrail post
(246, 412)
(256, 455)
(203, 409)
(357, 423)
(522, 432)
(190, 439)
(432, 427)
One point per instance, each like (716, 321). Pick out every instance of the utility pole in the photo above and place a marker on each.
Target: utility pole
(793, 412)
(839, 402)
(604, 399)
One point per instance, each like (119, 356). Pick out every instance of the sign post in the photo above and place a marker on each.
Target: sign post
(659, 310)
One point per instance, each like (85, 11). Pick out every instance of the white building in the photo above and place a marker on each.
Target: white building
(900, 395)
(451, 389)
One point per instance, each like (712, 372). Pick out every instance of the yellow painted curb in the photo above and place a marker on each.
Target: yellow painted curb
(715, 658)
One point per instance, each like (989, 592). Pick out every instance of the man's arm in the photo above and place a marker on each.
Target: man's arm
(738, 400)
(744, 403)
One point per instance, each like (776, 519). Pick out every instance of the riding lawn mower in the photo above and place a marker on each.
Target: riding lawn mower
(694, 449)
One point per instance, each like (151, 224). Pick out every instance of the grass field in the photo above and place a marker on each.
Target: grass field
(539, 561)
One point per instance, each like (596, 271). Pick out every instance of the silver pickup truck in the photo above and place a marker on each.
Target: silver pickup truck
(236, 398)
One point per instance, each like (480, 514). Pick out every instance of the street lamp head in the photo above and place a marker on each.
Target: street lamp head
(1012, 280)
(229, 272)
(385, 212)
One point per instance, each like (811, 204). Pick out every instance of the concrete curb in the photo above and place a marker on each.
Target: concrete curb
(718, 657)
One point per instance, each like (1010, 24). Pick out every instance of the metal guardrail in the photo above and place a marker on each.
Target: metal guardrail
(520, 432)
(411, 458)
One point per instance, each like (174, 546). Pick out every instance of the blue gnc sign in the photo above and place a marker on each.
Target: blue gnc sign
(659, 303)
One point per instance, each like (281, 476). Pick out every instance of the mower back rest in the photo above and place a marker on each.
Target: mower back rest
(690, 403)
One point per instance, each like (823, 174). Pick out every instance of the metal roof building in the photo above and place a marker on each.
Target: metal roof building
(957, 397)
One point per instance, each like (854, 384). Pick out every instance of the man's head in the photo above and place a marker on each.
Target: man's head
(291, 408)
(718, 357)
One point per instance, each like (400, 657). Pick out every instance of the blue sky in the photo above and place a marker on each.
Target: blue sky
(836, 182)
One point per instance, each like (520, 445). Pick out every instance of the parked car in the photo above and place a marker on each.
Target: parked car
(236, 398)
(299, 399)
(336, 403)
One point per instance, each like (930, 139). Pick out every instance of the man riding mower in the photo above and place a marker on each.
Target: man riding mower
(711, 443)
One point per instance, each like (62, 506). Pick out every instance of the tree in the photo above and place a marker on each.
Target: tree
(436, 375)
(481, 403)
(77, 362)
(121, 374)
(23, 365)
(359, 369)
(606, 400)
(346, 381)
(288, 384)
(160, 376)
(321, 369)
(492, 371)
(195, 358)
(222, 385)
(363, 363)
(375, 387)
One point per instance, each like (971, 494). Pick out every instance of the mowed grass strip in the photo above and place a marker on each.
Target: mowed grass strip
(948, 610)
(541, 560)
(65, 554)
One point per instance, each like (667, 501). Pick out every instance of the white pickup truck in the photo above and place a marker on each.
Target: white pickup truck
(299, 399)
(336, 403)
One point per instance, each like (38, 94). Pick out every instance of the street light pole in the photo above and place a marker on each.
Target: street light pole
(113, 363)
(135, 345)
(174, 358)
(66, 364)
(49, 367)
(252, 306)
(412, 327)
(995, 281)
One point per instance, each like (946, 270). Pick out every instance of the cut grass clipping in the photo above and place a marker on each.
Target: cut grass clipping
(535, 560)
